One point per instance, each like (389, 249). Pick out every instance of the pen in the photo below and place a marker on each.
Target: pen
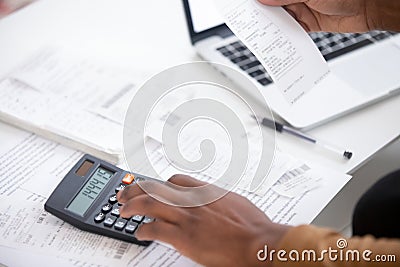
(285, 129)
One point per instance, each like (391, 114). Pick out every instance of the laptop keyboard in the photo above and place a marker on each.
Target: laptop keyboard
(331, 45)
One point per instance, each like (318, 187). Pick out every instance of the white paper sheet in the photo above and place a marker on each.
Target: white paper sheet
(28, 228)
(279, 42)
(301, 208)
(87, 82)
(76, 101)
(284, 167)
(14, 259)
(297, 181)
(59, 119)
(24, 225)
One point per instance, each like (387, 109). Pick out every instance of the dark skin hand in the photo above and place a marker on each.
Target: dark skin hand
(227, 232)
(231, 230)
(343, 15)
(3, 8)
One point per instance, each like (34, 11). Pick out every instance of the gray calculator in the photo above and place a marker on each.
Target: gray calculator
(86, 198)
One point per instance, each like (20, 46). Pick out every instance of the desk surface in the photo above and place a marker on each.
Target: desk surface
(152, 35)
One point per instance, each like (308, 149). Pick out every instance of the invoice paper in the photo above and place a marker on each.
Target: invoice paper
(31, 167)
(77, 101)
(281, 45)
(30, 163)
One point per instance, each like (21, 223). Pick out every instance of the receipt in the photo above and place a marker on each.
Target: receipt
(298, 181)
(279, 43)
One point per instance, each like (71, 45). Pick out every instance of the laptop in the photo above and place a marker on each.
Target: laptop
(365, 67)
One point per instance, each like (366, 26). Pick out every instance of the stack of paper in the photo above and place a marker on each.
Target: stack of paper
(32, 167)
(75, 101)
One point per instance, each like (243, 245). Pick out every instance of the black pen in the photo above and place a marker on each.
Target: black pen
(285, 129)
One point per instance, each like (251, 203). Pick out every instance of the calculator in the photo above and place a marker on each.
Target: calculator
(86, 198)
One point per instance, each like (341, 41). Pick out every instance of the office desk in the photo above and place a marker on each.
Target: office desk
(152, 35)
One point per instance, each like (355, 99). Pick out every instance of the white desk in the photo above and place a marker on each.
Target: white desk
(152, 34)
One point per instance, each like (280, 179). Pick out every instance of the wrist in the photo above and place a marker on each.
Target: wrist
(383, 14)
(264, 243)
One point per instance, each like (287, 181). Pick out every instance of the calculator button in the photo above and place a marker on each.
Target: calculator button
(137, 218)
(120, 224)
(115, 211)
(128, 179)
(120, 187)
(109, 221)
(148, 220)
(138, 179)
(99, 217)
(106, 208)
(131, 227)
(113, 199)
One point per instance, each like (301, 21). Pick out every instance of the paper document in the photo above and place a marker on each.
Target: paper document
(72, 100)
(31, 169)
(300, 207)
(14, 259)
(279, 43)
(291, 185)
(298, 180)
(26, 227)
(295, 177)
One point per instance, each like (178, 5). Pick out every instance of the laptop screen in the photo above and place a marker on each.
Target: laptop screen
(204, 15)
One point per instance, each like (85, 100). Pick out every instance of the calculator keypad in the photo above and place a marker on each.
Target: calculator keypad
(131, 227)
(110, 212)
(109, 221)
(113, 199)
(128, 179)
(148, 220)
(106, 208)
(120, 187)
(120, 224)
(99, 217)
(138, 179)
(137, 218)
(115, 211)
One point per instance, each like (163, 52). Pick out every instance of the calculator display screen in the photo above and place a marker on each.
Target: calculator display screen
(90, 191)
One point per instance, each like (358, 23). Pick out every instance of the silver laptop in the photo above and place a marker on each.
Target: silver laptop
(365, 67)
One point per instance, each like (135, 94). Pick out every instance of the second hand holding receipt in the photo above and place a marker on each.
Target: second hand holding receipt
(279, 43)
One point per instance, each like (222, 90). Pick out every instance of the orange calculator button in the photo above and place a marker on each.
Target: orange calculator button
(128, 179)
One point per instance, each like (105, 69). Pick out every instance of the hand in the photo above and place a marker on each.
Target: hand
(343, 15)
(3, 8)
(227, 232)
